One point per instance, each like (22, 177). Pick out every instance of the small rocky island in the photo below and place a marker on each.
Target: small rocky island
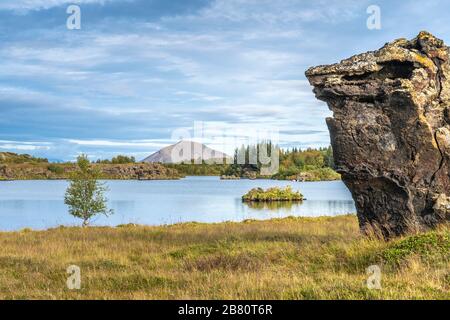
(390, 132)
(272, 195)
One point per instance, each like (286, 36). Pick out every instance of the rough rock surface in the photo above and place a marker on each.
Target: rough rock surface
(390, 132)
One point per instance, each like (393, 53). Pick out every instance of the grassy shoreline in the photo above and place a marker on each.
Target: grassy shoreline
(291, 258)
(44, 171)
(307, 165)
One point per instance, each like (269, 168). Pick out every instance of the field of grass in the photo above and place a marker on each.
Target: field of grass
(292, 258)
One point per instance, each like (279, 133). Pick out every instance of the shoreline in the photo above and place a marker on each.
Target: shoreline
(168, 179)
(170, 225)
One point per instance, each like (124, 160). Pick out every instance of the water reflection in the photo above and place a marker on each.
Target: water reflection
(273, 205)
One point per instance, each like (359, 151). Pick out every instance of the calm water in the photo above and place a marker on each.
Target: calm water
(40, 204)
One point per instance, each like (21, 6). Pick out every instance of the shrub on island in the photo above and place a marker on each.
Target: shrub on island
(272, 194)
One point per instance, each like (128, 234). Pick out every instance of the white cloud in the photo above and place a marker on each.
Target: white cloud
(24, 146)
(114, 143)
(275, 12)
(26, 5)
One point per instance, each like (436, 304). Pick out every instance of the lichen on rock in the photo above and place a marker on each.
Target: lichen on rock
(390, 132)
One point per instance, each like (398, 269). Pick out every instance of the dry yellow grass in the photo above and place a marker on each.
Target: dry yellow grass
(292, 258)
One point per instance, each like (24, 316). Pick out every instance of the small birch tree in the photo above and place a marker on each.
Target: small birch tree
(85, 195)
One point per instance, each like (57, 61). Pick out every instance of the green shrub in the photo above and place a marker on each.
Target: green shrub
(423, 245)
(120, 159)
(324, 174)
(55, 169)
(273, 194)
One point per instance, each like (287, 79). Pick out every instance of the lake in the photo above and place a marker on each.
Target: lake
(40, 204)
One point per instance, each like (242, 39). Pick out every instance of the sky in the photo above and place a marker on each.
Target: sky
(141, 72)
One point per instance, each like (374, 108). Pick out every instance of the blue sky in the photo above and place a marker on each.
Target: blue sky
(140, 69)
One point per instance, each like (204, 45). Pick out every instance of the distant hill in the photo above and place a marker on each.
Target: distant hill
(10, 157)
(185, 151)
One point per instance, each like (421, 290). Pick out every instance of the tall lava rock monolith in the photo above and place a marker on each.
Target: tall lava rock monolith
(390, 132)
